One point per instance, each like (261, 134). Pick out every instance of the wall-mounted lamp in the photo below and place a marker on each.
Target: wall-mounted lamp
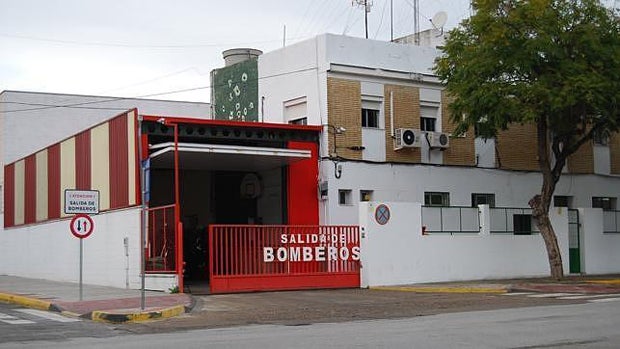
(337, 170)
(337, 130)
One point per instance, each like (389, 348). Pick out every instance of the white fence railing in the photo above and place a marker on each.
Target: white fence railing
(450, 220)
(611, 221)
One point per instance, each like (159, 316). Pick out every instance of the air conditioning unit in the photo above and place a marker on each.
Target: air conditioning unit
(438, 140)
(407, 138)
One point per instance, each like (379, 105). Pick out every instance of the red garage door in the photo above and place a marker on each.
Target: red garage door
(245, 258)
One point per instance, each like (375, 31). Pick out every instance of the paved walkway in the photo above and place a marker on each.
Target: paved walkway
(98, 303)
(585, 284)
(121, 305)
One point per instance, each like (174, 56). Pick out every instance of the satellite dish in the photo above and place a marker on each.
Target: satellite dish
(439, 19)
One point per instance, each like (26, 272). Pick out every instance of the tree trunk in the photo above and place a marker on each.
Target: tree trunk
(540, 203)
(551, 242)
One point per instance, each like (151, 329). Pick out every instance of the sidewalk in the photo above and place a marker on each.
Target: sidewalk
(121, 305)
(98, 303)
(584, 284)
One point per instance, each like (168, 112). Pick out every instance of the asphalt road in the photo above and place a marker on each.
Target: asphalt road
(283, 312)
(590, 325)
(19, 324)
(308, 307)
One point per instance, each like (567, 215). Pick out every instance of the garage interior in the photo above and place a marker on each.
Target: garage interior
(229, 173)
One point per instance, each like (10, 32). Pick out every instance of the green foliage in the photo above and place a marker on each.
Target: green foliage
(522, 61)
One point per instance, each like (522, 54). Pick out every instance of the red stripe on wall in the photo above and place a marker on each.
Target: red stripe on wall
(9, 195)
(30, 189)
(119, 168)
(53, 181)
(303, 201)
(82, 161)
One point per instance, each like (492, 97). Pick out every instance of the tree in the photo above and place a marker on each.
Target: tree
(553, 63)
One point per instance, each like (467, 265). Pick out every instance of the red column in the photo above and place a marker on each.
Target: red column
(303, 201)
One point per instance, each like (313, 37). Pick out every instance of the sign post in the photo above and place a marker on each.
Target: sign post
(81, 227)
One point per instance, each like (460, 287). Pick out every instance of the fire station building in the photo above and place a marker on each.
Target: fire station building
(327, 163)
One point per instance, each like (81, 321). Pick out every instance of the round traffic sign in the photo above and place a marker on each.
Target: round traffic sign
(382, 214)
(81, 226)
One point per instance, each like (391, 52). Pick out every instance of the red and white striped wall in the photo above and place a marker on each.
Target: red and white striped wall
(102, 158)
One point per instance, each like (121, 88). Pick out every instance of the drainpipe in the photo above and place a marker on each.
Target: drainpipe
(392, 113)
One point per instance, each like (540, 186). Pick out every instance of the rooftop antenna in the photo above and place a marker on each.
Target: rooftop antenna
(416, 22)
(439, 21)
(391, 20)
(367, 5)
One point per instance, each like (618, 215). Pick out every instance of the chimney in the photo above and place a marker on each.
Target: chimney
(237, 55)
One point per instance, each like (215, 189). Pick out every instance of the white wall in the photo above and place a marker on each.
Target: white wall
(49, 251)
(361, 52)
(485, 152)
(602, 159)
(397, 253)
(600, 251)
(27, 132)
(407, 183)
(287, 74)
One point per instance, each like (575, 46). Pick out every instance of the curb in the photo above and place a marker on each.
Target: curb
(29, 302)
(100, 316)
(424, 289)
(119, 318)
(604, 282)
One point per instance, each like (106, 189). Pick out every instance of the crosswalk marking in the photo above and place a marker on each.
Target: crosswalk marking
(591, 298)
(48, 315)
(550, 295)
(12, 320)
(588, 296)
(601, 300)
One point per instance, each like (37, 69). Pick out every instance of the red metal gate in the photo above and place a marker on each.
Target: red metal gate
(246, 258)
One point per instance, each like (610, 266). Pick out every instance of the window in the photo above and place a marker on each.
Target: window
(427, 124)
(522, 224)
(344, 197)
(365, 195)
(296, 111)
(300, 121)
(482, 199)
(436, 199)
(562, 201)
(601, 137)
(370, 118)
(606, 203)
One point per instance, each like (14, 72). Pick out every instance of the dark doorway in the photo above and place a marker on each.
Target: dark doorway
(233, 206)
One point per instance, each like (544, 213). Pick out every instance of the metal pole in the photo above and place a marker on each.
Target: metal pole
(81, 267)
(177, 210)
(391, 20)
(366, 17)
(142, 218)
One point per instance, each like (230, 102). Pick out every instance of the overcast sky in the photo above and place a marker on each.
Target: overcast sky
(133, 48)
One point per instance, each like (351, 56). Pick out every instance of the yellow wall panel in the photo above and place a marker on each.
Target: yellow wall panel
(67, 170)
(131, 158)
(100, 163)
(41, 182)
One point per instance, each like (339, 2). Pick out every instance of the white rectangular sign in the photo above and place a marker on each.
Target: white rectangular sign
(81, 201)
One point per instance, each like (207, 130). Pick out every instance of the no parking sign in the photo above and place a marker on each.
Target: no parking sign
(382, 214)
